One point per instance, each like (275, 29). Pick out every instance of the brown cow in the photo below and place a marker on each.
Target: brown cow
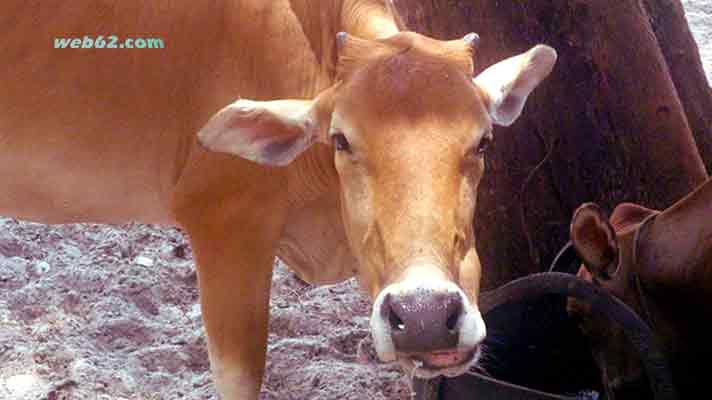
(660, 264)
(359, 155)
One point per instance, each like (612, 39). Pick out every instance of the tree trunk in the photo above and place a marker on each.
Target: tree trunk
(606, 126)
(683, 59)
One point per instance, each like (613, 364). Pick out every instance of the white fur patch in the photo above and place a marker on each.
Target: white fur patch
(381, 331)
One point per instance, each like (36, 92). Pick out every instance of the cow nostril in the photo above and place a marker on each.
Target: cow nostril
(397, 324)
(454, 311)
(451, 322)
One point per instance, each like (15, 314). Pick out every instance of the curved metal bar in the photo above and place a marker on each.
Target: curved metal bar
(636, 329)
(560, 255)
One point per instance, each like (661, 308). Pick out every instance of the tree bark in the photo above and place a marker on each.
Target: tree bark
(606, 126)
(683, 59)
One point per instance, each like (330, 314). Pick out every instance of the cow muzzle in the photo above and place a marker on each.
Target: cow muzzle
(429, 326)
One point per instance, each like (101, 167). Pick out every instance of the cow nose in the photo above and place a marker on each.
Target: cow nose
(423, 320)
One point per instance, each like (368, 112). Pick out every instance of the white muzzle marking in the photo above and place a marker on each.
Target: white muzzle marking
(471, 326)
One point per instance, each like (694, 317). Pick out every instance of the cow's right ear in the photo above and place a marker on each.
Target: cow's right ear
(267, 132)
(507, 84)
(595, 241)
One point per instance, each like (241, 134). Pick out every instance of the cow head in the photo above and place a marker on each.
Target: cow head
(409, 127)
(606, 248)
(655, 264)
(660, 265)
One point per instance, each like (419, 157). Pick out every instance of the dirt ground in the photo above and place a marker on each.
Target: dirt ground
(699, 16)
(100, 312)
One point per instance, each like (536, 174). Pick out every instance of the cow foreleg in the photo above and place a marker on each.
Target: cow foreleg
(234, 275)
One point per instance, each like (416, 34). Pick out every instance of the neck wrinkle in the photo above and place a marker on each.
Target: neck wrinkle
(312, 176)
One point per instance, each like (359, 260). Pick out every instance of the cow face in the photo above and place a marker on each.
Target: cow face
(409, 127)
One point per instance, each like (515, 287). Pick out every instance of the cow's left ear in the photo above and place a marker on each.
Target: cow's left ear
(507, 84)
(595, 241)
(267, 132)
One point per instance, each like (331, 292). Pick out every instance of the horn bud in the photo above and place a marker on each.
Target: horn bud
(472, 39)
(341, 39)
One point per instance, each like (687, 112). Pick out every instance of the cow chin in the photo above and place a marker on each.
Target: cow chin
(450, 364)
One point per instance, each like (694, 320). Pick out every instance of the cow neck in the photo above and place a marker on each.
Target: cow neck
(320, 25)
(678, 250)
(672, 274)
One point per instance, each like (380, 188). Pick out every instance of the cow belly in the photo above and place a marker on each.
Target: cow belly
(76, 186)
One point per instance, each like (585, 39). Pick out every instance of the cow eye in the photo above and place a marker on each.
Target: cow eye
(340, 142)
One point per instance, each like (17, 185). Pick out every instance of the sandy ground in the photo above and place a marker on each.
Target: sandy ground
(100, 312)
(699, 16)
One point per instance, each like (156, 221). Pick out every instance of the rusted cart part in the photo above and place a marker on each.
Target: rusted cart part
(636, 329)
